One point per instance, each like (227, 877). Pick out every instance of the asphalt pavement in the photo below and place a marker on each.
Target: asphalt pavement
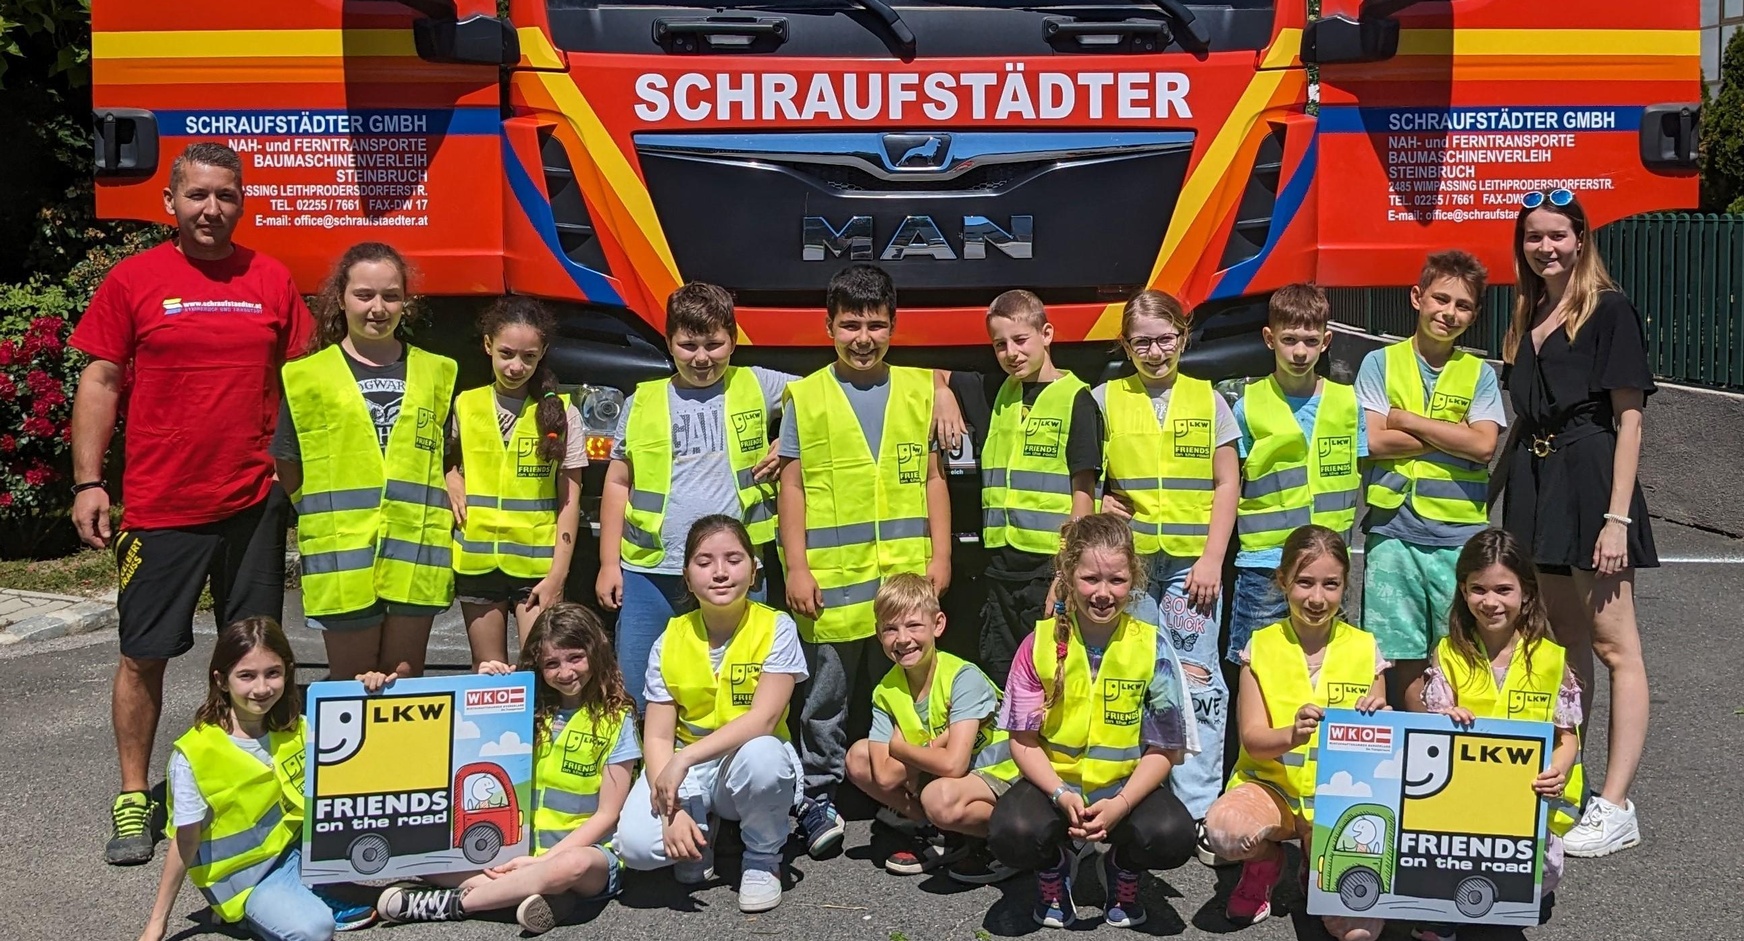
(57, 777)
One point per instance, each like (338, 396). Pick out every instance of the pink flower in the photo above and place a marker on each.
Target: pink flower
(39, 427)
(8, 352)
(8, 388)
(9, 444)
(5, 499)
(39, 475)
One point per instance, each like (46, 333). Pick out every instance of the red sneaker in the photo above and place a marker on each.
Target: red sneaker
(1251, 902)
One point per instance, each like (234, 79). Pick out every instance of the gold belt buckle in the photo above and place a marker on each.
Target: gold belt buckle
(1541, 447)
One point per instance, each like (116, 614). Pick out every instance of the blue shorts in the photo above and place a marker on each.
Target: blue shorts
(371, 616)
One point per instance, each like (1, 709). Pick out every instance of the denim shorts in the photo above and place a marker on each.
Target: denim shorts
(371, 616)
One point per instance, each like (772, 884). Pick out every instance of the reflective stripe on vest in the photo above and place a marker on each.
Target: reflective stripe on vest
(991, 752)
(511, 493)
(1166, 476)
(1281, 668)
(707, 699)
(1285, 484)
(1026, 483)
(1093, 736)
(567, 771)
(648, 444)
(1441, 487)
(256, 811)
(358, 549)
(865, 519)
(1528, 692)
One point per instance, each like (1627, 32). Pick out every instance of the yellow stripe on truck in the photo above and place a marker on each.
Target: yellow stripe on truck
(1550, 43)
(252, 43)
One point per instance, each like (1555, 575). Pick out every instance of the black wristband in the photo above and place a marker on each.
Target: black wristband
(88, 485)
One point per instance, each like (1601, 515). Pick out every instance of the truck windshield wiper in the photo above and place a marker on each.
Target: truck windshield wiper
(898, 29)
(1184, 18)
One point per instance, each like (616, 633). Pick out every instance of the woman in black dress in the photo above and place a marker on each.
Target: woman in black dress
(1579, 378)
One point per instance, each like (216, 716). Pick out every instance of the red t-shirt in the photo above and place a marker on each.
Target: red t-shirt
(200, 343)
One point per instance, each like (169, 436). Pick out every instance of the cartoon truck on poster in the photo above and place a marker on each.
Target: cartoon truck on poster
(1467, 830)
(382, 787)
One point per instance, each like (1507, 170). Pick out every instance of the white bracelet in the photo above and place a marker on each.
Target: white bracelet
(1619, 518)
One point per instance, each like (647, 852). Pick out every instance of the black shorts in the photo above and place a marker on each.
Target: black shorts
(493, 587)
(163, 570)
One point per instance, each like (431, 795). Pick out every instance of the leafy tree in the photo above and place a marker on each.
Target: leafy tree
(1722, 141)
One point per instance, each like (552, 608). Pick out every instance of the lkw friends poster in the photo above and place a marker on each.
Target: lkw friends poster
(1418, 819)
(429, 775)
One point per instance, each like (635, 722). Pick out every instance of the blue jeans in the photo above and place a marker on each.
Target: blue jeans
(282, 908)
(1259, 602)
(1199, 779)
(649, 602)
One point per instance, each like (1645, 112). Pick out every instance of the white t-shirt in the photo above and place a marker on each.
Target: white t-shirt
(190, 804)
(1227, 431)
(785, 656)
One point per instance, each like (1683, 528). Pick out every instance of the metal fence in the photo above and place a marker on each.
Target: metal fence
(1684, 272)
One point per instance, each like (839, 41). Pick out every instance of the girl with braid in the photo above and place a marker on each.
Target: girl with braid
(515, 483)
(1098, 714)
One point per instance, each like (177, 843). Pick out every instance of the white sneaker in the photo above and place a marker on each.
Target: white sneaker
(1604, 829)
(759, 891)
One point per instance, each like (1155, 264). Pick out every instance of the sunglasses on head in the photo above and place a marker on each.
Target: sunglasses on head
(1558, 197)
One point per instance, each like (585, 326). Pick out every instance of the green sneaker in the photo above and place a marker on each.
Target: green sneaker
(132, 841)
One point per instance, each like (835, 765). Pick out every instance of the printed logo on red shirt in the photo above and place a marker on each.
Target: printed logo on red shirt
(175, 305)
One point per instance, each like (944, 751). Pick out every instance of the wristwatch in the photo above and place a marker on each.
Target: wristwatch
(1054, 798)
(89, 485)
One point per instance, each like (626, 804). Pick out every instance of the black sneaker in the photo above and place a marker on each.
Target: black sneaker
(1202, 848)
(980, 867)
(926, 850)
(131, 839)
(402, 904)
(820, 826)
(538, 914)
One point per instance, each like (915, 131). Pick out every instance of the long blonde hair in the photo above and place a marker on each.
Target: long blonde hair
(1097, 531)
(1589, 279)
(1160, 304)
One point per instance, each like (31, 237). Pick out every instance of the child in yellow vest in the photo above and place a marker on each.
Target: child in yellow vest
(238, 772)
(1434, 413)
(1097, 710)
(359, 449)
(718, 685)
(1037, 434)
(934, 759)
(1498, 662)
(686, 447)
(584, 755)
(1294, 671)
(1301, 438)
(1172, 466)
(862, 498)
(515, 483)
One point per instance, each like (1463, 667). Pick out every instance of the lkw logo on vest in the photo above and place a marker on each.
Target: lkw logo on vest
(425, 439)
(910, 462)
(742, 682)
(528, 463)
(748, 431)
(583, 751)
(1121, 701)
(1192, 437)
(1336, 455)
(1528, 701)
(1337, 694)
(1444, 402)
(1041, 437)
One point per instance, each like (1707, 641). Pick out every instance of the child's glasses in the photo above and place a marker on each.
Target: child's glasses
(1558, 197)
(1142, 345)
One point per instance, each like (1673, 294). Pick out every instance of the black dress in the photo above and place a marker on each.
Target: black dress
(1556, 504)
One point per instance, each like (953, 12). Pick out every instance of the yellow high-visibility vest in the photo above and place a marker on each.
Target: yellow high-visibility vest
(1441, 486)
(1285, 482)
(992, 752)
(865, 519)
(1093, 735)
(371, 526)
(706, 698)
(567, 771)
(1528, 692)
(1166, 474)
(1026, 481)
(1281, 669)
(256, 811)
(648, 444)
(511, 492)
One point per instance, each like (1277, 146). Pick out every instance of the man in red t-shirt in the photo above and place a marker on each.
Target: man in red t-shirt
(188, 337)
